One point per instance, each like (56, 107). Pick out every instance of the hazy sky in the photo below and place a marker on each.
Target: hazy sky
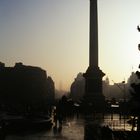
(54, 35)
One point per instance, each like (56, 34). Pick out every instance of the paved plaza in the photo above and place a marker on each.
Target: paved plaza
(82, 128)
(70, 130)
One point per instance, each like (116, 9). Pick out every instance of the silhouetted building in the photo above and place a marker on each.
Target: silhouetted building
(93, 75)
(25, 87)
(106, 90)
(119, 91)
(116, 90)
(78, 88)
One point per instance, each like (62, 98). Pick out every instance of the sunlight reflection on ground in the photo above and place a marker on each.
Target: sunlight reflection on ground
(72, 129)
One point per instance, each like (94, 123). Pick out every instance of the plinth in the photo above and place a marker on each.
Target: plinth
(93, 88)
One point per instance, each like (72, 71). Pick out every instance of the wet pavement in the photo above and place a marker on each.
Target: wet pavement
(71, 129)
(82, 128)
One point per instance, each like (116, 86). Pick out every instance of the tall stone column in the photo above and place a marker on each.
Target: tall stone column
(93, 75)
(93, 50)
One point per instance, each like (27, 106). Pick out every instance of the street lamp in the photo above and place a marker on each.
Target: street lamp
(124, 103)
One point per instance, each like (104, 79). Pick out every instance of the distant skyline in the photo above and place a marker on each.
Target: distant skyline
(54, 35)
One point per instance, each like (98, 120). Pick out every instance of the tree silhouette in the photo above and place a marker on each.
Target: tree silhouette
(136, 93)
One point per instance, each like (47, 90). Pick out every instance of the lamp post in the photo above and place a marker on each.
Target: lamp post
(124, 102)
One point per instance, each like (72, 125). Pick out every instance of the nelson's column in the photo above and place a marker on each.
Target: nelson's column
(93, 76)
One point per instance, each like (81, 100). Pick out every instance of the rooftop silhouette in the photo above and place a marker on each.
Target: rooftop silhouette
(23, 87)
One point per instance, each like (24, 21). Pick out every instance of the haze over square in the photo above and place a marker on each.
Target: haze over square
(54, 35)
